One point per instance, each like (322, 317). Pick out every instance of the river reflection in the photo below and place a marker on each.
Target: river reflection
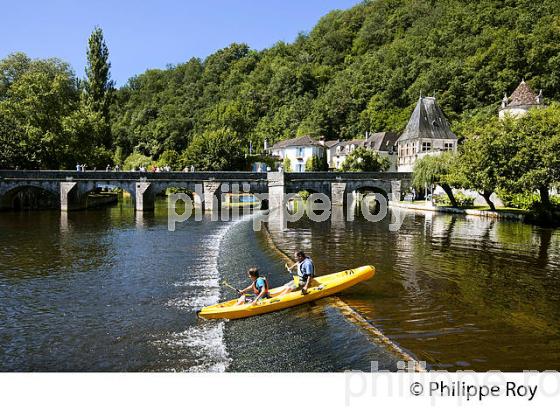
(459, 292)
(112, 289)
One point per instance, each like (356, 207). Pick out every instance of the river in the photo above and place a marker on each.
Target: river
(113, 290)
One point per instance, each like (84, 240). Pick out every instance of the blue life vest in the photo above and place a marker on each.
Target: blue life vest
(257, 289)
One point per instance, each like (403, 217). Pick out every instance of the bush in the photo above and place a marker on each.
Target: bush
(169, 157)
(287, 165)
(524, 200)
(463, 201)
(135, 161)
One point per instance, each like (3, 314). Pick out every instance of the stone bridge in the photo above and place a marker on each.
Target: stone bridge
(70, 189)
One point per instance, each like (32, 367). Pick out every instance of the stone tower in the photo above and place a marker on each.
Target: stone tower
(427, 133)
(521, 101)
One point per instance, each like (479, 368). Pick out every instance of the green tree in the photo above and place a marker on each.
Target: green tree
(218, 150)
(478, 165)
(12, 143)
(435, 170)
(78, 127)
(98, 85)
(169, 157)
(316, 163)
(364, 160)
(287, 165)
(534, 144)
(37, 96)
(136, 160)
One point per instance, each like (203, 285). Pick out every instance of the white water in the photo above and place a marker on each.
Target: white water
(204, 341)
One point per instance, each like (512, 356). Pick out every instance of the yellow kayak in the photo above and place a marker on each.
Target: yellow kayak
(321, 286)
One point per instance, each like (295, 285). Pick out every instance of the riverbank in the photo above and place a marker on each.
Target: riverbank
(509, 215)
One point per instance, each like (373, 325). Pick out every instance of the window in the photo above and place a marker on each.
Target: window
(426, 146)
(448, 146)
(299, 152)
(300, 168)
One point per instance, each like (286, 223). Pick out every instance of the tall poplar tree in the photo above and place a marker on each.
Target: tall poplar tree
(98, 86)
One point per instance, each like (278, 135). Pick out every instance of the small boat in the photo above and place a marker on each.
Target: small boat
(322, 286)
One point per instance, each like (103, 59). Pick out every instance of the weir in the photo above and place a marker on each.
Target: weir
(71, 188)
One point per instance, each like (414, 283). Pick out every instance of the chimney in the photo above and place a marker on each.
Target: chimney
(265, 144)
(322, 140)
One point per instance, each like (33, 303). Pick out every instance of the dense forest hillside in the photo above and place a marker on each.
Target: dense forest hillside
(357, 70)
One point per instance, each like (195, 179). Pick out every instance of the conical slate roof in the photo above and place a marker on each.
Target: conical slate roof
(427, 121)
(523, 95)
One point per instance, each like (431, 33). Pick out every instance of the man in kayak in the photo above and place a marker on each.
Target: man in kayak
(305, 272)
(259, 286)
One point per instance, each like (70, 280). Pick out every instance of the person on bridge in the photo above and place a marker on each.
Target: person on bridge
(259, 286)
(305, 272)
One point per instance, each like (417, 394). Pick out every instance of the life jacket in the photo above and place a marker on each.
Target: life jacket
(302, 276)
(256, 291)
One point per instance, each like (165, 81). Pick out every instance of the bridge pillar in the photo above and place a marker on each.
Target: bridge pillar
(395, 191)
(276, 190)
(337, 193)
(145, 196)
(277, 212)
(70, 198)
(212, 195)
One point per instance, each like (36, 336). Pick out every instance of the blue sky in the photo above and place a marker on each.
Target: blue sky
(142, 34)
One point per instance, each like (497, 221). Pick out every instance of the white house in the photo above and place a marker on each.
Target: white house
(384, 143)
(337, 151)
(298, 151)
(427, 133)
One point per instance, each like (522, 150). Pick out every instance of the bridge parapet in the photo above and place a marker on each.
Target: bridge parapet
(225, 176)
(74, 186)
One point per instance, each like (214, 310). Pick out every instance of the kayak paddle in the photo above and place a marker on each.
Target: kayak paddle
(231, 287)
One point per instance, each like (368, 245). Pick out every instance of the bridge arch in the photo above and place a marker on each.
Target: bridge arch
(28, 195)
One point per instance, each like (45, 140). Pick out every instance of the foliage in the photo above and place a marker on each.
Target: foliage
(136, 160)
(478, 165)
(436, 170)
(304, 195)
(169, 157)
(98, 87)
(364, 160)
(357, 70)
(214, 151)
(316, 163)
(518, 157)
(462, 200)
(287, 165)
(534, 146)
(36, 97)
(524, 200)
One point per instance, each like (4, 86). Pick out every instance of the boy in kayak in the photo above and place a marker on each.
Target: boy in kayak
(259, 286)
(305, 272)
